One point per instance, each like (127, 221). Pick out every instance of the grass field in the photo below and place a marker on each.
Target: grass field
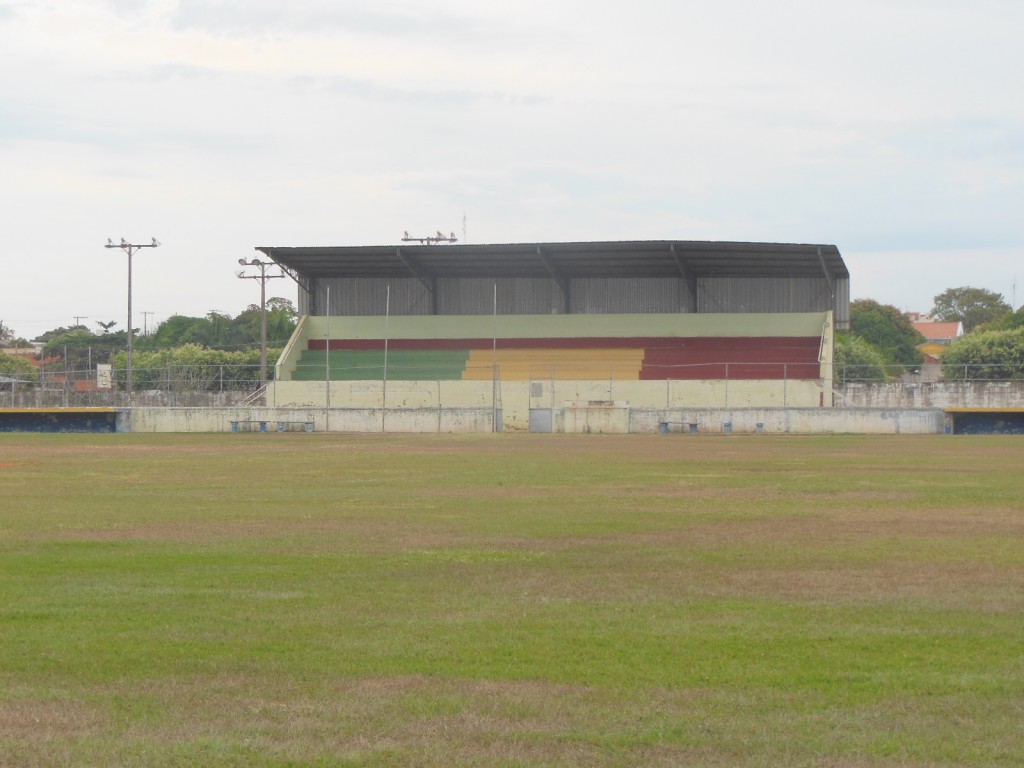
(323, 600)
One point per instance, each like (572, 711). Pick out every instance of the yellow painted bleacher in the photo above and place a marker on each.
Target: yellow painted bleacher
(558, 364)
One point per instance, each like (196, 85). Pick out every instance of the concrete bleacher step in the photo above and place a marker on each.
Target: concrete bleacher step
(368, 365)
(563, 364)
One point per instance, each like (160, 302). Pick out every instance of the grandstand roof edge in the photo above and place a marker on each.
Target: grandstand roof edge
(636, 258)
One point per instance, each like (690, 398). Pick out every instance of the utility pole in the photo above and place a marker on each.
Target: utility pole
(130, 249)
(262, 277)
(145, 322)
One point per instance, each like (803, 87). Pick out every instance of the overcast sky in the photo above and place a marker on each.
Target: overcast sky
(891, 128)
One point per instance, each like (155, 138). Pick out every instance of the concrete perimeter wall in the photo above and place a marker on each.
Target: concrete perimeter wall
(447, 420)
(609, 417)
(938, 394)
(792, 420)
(516, 399)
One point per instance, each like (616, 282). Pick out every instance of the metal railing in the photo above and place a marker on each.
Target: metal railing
(925, 373)
(227, 385)
(175, 385)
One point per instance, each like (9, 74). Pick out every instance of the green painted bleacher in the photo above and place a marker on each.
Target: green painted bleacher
(368, 365)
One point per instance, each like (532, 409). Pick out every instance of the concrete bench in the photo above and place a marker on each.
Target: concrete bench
(307, 426)
(684, 426)
(236, 424)
(282, 424)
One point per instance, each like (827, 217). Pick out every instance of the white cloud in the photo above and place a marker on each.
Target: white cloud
(885, 127)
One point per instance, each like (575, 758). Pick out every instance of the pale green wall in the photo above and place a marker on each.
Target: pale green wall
(558, 326)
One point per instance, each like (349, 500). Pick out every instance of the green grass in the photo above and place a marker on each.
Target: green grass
(330, 600)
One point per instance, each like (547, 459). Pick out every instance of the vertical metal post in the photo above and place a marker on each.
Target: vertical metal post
(263, 324)
(494, 361)
(131, 334)
(327, 363)
(262, 277)
(384, 388)
(130, 249)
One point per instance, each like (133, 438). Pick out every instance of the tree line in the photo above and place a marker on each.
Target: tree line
(180, 342)
(883, 343)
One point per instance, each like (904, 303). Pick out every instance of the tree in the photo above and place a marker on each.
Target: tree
(888, 330)
(1007, 322)
(61, 331)
(8, 338)
(18, 368)
(281, 321)
(992, 355)
(180, 330)
(80, 348)
(192, 368)
(971, 306)
(856, 360)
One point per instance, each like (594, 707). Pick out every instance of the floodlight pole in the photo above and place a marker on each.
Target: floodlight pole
(130, 249)
(262, 277)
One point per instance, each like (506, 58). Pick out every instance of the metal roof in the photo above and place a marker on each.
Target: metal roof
(645, 258)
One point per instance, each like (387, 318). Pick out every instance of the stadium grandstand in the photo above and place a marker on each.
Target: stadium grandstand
(528, 328)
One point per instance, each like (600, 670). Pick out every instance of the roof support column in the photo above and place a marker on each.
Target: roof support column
(828, 275)
(428, 281)
(830, 281)
(562, 283)
(688, 279)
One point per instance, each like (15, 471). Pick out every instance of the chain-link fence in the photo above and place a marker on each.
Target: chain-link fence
(843, 374)
(170, 386)
(226, 385)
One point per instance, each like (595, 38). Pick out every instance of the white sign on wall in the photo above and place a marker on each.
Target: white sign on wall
(104, 376)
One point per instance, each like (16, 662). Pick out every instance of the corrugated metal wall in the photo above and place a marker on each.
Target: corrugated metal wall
(763, 294)
(629, 295)
(369, 296)
(532, 296)
(516, 296)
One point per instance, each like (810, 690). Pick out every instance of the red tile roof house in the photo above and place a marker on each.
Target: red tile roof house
(937, 336)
